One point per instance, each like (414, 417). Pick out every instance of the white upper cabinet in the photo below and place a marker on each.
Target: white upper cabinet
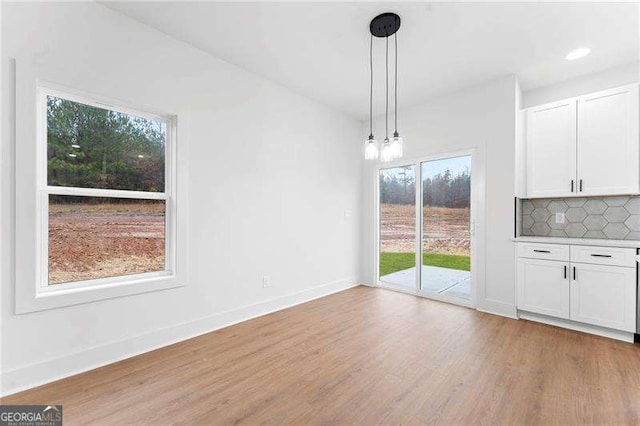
(551, 150)
(584, 146)
(608, 142)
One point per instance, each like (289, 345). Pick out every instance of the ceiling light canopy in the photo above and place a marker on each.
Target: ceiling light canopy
(578, 53)
(384, 26)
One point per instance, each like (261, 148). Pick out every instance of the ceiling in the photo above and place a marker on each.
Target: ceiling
(321, 50)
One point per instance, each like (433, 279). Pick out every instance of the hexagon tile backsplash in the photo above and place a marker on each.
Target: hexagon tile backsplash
(614, 218)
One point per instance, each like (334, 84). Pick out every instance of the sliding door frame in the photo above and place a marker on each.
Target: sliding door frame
(477, 217)
(378, 169)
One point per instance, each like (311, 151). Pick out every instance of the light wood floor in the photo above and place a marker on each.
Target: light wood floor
(364, 356)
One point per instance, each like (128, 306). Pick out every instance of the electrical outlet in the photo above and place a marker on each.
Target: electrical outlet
(559, 217)
(266, 281)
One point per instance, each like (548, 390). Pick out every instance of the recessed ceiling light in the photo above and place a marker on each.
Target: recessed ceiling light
(140, 156)
(72, 155)
(578, 53)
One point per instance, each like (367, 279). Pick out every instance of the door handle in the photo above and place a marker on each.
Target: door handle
(571, 185)
(565, 272)
(574, 273)
(580, 185)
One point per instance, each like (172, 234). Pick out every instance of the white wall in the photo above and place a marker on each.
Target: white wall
(270, 174)
(484, 118)
(607, 79)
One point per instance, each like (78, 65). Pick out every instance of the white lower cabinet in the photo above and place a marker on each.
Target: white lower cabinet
(604, 295)
(543, 287)
(599, 292)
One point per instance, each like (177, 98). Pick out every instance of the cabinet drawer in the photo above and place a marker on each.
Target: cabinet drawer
(612, 256)
(544, 251)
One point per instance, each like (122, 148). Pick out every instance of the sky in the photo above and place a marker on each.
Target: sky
(457, 165)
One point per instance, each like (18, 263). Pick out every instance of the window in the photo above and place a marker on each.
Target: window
(105, 193)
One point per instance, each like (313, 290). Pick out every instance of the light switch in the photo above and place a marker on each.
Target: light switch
(559, 217)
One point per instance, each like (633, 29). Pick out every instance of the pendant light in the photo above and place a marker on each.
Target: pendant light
(396, 142)
(371, 145)
(386, 154)
(384, 25)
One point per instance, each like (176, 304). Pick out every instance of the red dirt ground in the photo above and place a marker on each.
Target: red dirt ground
(89, 241)
(445, 230)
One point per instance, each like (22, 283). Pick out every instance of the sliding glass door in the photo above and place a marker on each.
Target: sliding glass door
(446, 232)
(425, 237)
(397, 228)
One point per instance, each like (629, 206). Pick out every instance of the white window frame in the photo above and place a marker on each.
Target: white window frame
(39, 294)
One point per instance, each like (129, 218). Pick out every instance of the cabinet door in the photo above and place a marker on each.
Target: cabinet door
(543, 288)
(604, 295)
(551, 150)
(608, 142)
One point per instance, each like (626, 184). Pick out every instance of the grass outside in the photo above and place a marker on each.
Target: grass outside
(394, 262)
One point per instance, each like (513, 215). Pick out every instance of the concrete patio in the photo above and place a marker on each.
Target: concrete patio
(434, 279)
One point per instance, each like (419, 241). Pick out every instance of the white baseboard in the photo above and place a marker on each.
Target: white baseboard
(27, 377)
(497, 308)
(625, 336)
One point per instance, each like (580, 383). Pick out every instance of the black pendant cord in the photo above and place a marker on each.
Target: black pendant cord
(371, 88)
(386, 96)
(395, 86)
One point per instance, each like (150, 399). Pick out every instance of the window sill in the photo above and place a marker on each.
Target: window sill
(61, 295)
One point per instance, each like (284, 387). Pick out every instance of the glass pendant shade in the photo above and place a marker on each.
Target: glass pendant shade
(385, 153)
(396, 146)
(371, 149)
